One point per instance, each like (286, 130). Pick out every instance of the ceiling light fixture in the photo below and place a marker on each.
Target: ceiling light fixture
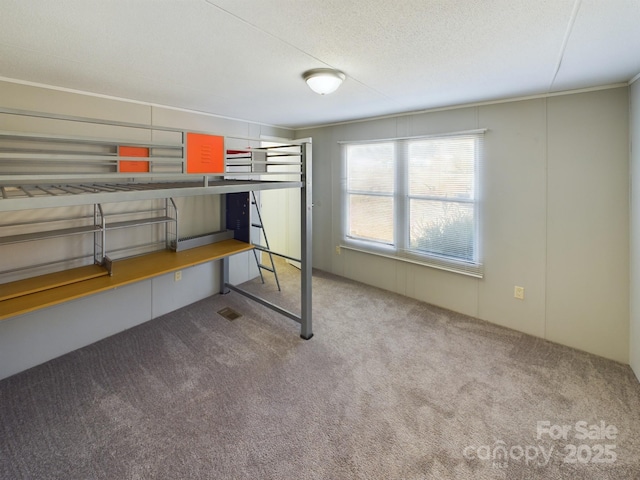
(323, 80)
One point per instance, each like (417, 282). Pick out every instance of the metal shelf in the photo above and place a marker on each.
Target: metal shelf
(63, 232)
(99, 229)
(138, 223)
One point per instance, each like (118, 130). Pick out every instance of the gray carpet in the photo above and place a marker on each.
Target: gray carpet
(388, 388)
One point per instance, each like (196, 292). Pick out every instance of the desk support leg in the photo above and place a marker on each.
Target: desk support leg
(224, 275)
(224, 263)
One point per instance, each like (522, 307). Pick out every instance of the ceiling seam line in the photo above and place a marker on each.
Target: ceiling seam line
(565, 41)
(209, 2)
(265, 32)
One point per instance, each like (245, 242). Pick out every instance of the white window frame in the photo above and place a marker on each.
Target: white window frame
(399, 249)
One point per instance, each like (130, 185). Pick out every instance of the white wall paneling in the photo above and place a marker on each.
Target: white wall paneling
(30, 339)
(588, 222)
(634, 290)
(554, 217)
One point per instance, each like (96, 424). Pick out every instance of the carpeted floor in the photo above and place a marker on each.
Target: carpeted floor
(388, 388)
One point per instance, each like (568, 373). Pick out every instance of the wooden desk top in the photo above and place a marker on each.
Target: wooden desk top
(125, 271)
(50, 280)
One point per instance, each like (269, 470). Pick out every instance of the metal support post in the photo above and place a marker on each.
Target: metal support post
(224, 263)
(306, 223)
(224, 275)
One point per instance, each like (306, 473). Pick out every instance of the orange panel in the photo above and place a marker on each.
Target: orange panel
(131, 166)
(205, 153)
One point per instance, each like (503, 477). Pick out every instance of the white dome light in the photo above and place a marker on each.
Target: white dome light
(323, 80)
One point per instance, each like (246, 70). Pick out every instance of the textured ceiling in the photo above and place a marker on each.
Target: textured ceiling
(244, 58)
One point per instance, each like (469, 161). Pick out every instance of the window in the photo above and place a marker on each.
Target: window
(415, 199)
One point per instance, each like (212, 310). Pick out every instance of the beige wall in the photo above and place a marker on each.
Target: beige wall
(554, 217)
(634, 331)
(587, 223)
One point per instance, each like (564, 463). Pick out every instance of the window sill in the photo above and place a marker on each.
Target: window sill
(423, 263)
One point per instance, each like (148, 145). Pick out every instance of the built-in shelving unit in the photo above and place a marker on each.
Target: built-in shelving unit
(41, 170)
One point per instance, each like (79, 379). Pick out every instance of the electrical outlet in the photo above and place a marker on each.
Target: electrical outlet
(338, 249)
(177, 276)
(518, 292)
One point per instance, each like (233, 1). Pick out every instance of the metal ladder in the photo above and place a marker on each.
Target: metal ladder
(265, 249)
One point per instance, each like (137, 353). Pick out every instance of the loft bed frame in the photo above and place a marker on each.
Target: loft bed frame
(45, 170)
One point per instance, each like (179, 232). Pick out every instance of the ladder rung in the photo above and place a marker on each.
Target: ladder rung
(261, 266)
